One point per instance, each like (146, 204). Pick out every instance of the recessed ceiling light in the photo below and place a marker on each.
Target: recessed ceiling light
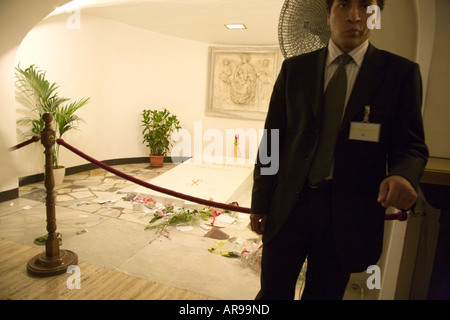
(235, 26)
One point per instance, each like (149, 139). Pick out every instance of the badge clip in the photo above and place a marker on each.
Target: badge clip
(366, 114)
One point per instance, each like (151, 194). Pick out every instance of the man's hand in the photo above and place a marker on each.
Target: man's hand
(397, 192)
(258, 223)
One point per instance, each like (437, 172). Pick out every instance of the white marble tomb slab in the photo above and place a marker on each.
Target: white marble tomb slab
(223, 182)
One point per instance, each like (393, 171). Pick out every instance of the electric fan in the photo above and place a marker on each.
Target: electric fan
(303, 27)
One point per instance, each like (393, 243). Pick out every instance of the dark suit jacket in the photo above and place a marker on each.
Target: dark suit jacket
(392, 86)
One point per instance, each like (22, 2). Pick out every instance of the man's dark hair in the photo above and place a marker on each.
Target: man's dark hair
(380, 3)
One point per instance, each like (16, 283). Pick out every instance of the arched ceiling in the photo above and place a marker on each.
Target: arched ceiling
(199, 20)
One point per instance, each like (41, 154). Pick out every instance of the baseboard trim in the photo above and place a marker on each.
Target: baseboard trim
(9, 195)
(36, 178)
(23, 181)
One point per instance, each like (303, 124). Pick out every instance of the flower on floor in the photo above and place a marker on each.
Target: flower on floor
(144, 200)
(160, 213)
(251, 256)
(168, 215)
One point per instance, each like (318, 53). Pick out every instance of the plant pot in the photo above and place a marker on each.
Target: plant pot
(58, 174)
(156, 161)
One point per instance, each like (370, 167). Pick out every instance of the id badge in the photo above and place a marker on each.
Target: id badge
(362, 131)
(365, 131)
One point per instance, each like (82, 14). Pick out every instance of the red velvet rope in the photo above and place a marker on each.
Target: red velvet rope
(401, 216)
(25, 143)
(151, 186)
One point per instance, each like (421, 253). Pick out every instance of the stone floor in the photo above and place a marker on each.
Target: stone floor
(100, 223)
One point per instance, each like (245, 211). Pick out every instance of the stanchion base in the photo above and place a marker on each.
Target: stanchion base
(42, 266)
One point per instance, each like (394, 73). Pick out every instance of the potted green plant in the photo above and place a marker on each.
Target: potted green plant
(158, 126)
(40, 96)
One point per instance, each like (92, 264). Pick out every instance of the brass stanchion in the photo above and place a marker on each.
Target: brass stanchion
(53, 261)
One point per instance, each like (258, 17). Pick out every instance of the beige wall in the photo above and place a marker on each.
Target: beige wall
(437, 105)
(16, 19)
(399, 29)
(124, 70)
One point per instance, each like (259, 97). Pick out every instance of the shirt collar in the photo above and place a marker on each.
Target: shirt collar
(357, 54)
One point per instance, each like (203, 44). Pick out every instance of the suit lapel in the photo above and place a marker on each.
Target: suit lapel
(371, 76)
(314, 71)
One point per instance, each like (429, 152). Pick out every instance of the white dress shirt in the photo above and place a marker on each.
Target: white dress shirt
(352, 68)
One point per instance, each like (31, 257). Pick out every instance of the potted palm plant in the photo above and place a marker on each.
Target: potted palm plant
(158, 126)
(40, 96)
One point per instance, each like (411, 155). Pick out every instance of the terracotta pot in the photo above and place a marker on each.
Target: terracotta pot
(156, 161)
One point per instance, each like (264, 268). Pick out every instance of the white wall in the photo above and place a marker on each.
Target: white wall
(17, 17)
(124, 70)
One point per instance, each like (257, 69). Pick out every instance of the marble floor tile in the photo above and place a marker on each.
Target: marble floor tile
(189, 265)
(87, 182)
(139, 217)
(81, 194)
(112, 212)
(63, 185)
(36, 195)
(15, 205)
(97, 172)
(106, 197)
(109, 243)
(103, 228)
(63, 190)
(75, 218)
(64, 198)
(78, 176)
(26, 227)
(85, 205)
(103, 187)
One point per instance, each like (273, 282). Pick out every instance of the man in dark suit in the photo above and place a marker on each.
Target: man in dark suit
(377, 156)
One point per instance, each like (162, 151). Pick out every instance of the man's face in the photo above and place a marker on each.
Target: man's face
(348, 22)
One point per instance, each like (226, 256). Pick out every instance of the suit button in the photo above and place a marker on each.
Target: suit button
(307, 161)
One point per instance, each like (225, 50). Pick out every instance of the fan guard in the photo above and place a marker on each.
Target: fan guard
(303, 27)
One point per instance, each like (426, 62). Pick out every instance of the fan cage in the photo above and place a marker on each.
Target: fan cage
(303, 27)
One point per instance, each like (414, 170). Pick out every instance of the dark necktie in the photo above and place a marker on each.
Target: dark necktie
(334, 103)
